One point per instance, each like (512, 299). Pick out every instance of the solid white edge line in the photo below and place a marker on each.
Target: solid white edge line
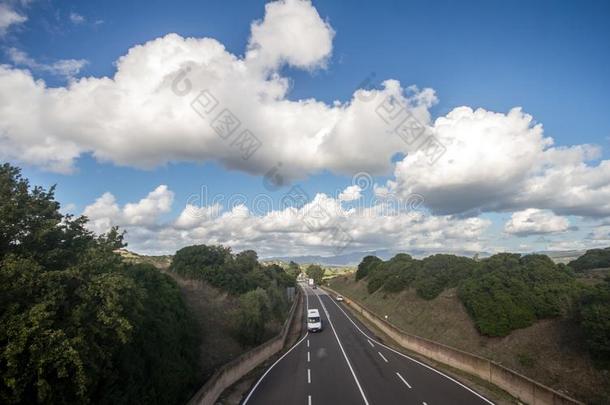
(343, 351)
(415, 361)
(384, 359)
(403, 380)
(278, 360)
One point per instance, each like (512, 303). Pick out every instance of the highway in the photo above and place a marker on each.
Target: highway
(345, 364)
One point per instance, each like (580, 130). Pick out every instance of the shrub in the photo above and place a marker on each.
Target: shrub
(594, 319)
(592, 259)
(510, 292)
(366, 265)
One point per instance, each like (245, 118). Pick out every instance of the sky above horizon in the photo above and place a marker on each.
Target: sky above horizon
(325, 127)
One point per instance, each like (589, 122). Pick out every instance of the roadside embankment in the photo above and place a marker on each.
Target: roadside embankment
(519, 386)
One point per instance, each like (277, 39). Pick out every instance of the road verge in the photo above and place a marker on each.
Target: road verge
(519, 386)
(233, 371)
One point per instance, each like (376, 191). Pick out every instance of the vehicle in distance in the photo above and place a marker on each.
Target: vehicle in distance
(339, 297)
(314, 287)
(314, 322)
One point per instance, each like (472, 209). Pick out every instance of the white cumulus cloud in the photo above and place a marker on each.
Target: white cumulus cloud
(534, 222)
(321, 226)
(351, 193)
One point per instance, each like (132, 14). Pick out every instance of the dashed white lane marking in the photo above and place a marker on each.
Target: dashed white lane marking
(366, 402)
(280, 359)
(371, 343)
(308, 357)
(403, 380)
(270, 368)
(309, 399)
(423, 403)
(308, 376)
(384, 359)
(412, 359)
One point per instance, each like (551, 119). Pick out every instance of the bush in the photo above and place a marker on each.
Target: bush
(440, 272)
(316, 272)
(365, 266)
(252, 316)
(509, 292)
(77, 324)
(235, 274)
(501, 293)
(594, 319)
(592, 259)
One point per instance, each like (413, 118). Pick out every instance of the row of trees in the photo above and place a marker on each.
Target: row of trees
(316, 273)
(592, 259)
(77, 324)
(261, 289)
(502, 293)
(505, 291)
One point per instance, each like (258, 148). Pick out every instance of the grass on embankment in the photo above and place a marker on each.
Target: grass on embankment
(550, 351)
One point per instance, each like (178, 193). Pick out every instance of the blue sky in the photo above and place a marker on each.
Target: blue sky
(550, 58)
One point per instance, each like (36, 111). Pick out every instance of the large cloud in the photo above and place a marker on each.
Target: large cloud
(503, 162)
(143, 116)
(154, 111)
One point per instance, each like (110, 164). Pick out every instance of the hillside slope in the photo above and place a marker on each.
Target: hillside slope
(211, 308)
(548, 351)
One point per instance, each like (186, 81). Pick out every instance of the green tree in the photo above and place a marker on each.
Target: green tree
(594, 319)
(77, 325)
(293, 269)
(592, 259)
(252, 315)
(315, 272)
(508, 292)
(365, 266)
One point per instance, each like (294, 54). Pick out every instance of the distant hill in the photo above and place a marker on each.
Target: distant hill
(354, 258)
(563, 256)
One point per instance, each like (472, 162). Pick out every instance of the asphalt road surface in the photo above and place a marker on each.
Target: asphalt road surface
(344, 364)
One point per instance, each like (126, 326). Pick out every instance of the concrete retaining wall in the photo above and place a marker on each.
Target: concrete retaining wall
(519, 386)
(233, 371)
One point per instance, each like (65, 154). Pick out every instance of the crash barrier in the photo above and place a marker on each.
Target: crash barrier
(233, 371)
(517, 385)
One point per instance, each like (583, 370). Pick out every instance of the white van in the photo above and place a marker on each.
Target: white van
(314, 322)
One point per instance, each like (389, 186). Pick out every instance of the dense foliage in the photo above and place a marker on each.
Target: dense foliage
(315, 272)
(592, 259)
(429, 276)
(293, 269)
(233, 273)
(263, 301)
(507, 292)
(77, 324)
(365, 266)
(501, 293)
(594, 316)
